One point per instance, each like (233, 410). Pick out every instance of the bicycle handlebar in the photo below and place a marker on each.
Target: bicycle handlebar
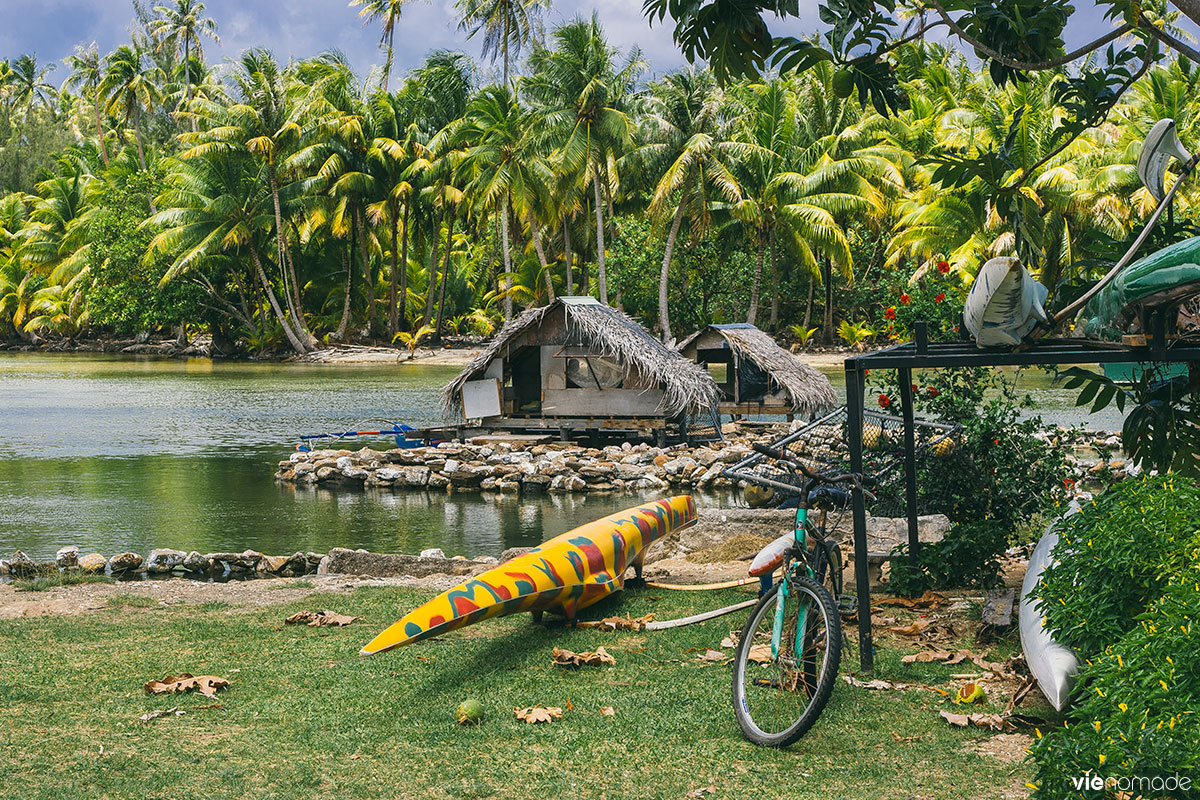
(852, 478)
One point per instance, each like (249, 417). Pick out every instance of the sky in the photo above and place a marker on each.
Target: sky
(302, 28)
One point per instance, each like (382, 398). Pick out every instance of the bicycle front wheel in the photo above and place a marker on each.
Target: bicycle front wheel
(777, 698)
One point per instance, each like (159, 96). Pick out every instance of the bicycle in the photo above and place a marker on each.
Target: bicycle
(790, 648)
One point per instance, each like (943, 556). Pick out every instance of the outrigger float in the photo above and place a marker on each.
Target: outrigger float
(565, 574)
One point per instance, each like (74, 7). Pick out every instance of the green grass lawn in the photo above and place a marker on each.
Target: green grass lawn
(306, 716)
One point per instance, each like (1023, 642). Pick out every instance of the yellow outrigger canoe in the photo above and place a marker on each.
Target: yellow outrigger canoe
(567, 573)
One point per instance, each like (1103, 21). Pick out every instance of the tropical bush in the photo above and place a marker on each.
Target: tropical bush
(965, 557)
(1125, 593)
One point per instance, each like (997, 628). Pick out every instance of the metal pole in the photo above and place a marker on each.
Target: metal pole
(854, 418)
(910, 467)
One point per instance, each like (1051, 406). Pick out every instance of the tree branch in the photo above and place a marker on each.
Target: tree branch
(898, 43)
(1170, 41)
(1028, 66)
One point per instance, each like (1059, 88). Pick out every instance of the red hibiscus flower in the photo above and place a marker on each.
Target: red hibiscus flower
(932, 391)
(890, 313)
(940, 298)
(904, 298)
(943, 267)
(914, 388)
(884, 401)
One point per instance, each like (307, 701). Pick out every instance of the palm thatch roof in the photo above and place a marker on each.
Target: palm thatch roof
(807, 389)
(687, 387)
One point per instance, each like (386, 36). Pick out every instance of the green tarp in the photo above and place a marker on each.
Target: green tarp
(1171, 270)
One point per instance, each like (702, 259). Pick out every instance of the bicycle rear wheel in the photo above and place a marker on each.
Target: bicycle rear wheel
(777, 699)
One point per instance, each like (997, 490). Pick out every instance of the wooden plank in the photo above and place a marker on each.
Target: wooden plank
(601, 402)
(481, 398)
(512, 438)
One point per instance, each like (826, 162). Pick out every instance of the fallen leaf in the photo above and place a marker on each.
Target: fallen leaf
(608, 711)
(535, 714)
(991, 722)
(625, 623)
(910, 630)
(875, 684)
(703, 791)
(929, 599)
(953, 657)
(170, 712)
(566, 658)
(320, 619)
(712, 655)
(207, 685)
(760, 654)
(730, 641)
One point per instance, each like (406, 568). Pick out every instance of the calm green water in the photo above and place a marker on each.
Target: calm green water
(118, 454)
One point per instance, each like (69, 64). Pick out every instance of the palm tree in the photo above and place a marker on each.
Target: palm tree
(507, 25)
(129, 88)
(389, 12)
(217, 205)
(180, 27)
(87, 74)
(581, 95)
(27, 82)
(685, 144)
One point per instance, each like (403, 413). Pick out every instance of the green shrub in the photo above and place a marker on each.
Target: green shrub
(1114, 559)
(966, 557)
(1125, 592)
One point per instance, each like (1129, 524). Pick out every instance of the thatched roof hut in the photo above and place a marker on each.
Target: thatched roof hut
(580, 359)
(755, 374)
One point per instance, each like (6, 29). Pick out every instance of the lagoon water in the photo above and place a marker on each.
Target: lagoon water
(114, 454)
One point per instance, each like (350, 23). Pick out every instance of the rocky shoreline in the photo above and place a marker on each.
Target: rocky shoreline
(513, 467)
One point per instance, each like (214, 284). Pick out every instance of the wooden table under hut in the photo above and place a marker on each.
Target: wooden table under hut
(756, 375)
(579, 366)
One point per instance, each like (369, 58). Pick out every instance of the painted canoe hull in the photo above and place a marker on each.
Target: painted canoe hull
(567, 573)
(1051, 664)
(1166, 277)
(1004, 304)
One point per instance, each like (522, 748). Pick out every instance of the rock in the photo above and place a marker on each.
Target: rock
(417, 477)
(389, 474)
(303, 468)
(164, 560)
(386, 565)
(355, 473)
(272, 565)
(487, 560)
(21, 565)
(67, 557)
(238, 563)
(195, 562)
(4, 570)
(93, 563)
(437, 481)
(513, 552)
(323, 566)
(325, 473)
(369, 456)
(433, 552)
(125, 562)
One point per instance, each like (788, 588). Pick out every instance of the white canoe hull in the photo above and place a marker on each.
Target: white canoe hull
(1051, 664)
(1004, 304)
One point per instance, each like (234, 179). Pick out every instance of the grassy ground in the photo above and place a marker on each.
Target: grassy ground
(307, 717)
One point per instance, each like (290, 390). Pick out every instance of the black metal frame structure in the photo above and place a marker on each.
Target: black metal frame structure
(919, 354)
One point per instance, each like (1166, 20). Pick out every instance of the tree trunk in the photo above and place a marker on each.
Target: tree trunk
(407, 237)
(664, 313)
(568, 256)
(755, 287)
(829, 302)
(601, 271)
(137, 131)
(348, 265)
(395, 277)
(290, 287)
(297, 345)
(773, 325)
(808, 305)
(364, 252)
(547, 273)
(431, 283)
(506, 246)
(187, 77)
(441, 307)
(100, 129)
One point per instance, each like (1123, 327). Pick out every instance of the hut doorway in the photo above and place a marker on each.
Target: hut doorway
(525, 366)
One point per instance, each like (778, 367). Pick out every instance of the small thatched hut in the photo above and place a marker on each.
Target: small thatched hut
(756, 375)
(574, 365)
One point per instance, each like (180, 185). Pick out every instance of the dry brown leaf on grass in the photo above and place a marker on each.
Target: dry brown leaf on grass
(712, 655)
(207, 685)
(625, 623)
(703, 791)
(952, 657)
(760, 654)
(990, 722)
(608, 711)
(566, 658)
(153, 715)
(930, 599)
(730, 641)
(320, 619)
(535, 714)
(914, 629)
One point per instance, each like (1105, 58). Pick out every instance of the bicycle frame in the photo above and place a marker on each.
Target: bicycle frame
(802, 546)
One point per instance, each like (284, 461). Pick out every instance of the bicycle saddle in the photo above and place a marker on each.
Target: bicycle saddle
(771, 556)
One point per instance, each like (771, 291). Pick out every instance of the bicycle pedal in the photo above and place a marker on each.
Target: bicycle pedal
(847, 605)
